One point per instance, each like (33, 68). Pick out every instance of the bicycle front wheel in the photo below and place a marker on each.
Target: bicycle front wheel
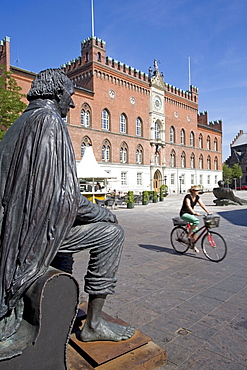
(179, 239)
(214, 246)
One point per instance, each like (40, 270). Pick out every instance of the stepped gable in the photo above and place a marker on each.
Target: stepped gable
(240, 139)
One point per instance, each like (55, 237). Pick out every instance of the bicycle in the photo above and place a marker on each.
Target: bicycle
(213, 244)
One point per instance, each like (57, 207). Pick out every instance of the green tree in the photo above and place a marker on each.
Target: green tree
(237, 171)
(227, 174)
(11, 105)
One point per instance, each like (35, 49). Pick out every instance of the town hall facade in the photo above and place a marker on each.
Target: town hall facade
(144, 131)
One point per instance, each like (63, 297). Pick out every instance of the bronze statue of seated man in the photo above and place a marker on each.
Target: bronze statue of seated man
(43, 213)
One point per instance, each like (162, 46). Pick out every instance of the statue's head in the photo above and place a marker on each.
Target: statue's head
(53, 84)
(221, 183)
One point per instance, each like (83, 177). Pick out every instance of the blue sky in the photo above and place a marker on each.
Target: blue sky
(213, 33)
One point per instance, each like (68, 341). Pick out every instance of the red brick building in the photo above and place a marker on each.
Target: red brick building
(144, 132)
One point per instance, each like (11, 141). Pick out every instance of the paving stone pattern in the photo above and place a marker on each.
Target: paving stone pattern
(193, 308)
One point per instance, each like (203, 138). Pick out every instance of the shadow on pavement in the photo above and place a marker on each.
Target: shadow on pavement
(155, 248)
(236, 217)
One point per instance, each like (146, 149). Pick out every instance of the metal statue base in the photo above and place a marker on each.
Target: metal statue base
(41, 341)
(138, 352)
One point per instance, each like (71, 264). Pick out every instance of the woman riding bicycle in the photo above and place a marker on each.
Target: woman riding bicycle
(188, 214)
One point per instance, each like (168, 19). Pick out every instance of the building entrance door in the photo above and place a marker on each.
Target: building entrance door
(157, 181)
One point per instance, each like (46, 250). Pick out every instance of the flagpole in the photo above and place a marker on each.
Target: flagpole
(92, 18)
(189, 71)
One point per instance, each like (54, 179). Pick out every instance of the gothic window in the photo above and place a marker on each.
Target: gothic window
(208, 143)
(123, 153)
(209, 163)
(157, 130)
(182, 137)
(216, 144)
(216, 163)
(200, 141)
(106, 151)
(183, 163)
(201, 162)
(139, 155)
(105, 120)
(123, 124)
(99, 57)
(192, 139)
(85, 116)
(173, 159)
(172, 134)
(138, 127)
(192, 160)
(85, 142)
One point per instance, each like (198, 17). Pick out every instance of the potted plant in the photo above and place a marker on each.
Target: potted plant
(130, 200)
(155, 196)
(163, 192)
(145, 197)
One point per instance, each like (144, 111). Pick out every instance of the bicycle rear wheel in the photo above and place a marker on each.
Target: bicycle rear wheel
(214, 246)
(179, 239)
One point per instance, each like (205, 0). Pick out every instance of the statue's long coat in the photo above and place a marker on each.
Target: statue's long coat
(39, 198)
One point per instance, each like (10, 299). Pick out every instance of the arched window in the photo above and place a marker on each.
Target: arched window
(105, 120)
(85, 142)
(173, 159)
(182, 137)
(192, 139)
(123, 124)
(172, 134)
(201, 162)
(209, 163)
(215, 144)
(200, 142)
(123, 153)
(106, 151)
(139, 155)
(85, 117)
(183, 158)
(216, 163)
(157, 130)
(192, 160)
(99, 57)
(208, 143)
(138, 127)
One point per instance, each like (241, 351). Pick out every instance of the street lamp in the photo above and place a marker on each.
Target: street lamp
(165, 177)
(180, 180)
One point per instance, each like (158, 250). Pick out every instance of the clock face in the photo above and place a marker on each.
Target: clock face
(157, 102)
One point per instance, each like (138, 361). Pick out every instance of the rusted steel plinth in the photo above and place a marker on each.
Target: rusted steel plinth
(138, 352)
(41, 341)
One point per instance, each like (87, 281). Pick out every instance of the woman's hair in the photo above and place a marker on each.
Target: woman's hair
(194, 187)
(47, 84)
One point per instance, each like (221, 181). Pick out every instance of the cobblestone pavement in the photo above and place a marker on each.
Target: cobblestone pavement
(193, 308)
